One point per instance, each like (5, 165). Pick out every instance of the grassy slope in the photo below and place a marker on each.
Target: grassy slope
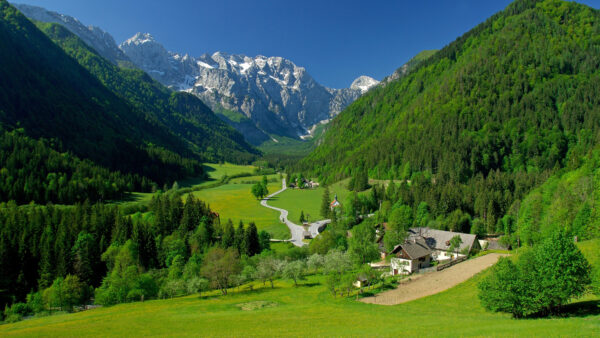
(308, 200)
(234, 200)
(309, 310)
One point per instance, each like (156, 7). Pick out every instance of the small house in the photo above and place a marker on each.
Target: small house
(410, 256)
(306, 234)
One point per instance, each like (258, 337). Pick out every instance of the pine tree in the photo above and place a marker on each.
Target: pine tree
(227, 240)
(188, 221)
(251, 243)
(325, 210)
(239, 237)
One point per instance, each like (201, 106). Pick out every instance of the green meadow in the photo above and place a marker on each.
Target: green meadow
(310, 310)
(309, 200)
(235, 201)
(215, 172)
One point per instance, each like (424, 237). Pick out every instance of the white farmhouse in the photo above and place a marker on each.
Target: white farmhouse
(439, 242)
(410, 256)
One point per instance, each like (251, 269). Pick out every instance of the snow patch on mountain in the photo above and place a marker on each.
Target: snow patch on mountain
(364, 83)
(277, 95)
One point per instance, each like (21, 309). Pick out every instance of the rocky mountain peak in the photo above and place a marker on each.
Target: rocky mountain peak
(363, 83)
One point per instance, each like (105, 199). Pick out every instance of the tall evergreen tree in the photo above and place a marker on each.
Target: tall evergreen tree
(251, 243)
(84, 257)
(239, 238)
(228, 237)
(325, 204)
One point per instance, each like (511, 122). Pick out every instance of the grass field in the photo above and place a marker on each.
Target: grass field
(309, 310)
(216, 172)
(234, 200)
(309, 200)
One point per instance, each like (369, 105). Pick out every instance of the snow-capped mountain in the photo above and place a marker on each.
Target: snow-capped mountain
(95, 37)
(279, 97)
(259, 96)
(363, 83)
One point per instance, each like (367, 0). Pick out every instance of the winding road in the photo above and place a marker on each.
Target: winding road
(296, 230)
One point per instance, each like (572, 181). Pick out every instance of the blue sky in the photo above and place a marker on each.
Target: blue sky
(336, 41)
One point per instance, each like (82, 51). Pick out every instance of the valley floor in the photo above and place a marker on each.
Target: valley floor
(310, 310)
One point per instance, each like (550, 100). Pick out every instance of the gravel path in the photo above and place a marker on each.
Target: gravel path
(431, 283)
(296, 230)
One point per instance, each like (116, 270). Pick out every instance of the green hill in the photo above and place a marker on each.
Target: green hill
(483, 120)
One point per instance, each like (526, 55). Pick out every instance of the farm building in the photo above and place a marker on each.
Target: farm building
(439, 242)
(410, 256)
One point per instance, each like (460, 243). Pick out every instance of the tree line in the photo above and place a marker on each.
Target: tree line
(100, 246)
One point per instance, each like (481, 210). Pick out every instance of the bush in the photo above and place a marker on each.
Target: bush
(541, 281)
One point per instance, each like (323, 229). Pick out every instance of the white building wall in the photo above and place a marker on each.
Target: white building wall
(441, 255)
(403, 266)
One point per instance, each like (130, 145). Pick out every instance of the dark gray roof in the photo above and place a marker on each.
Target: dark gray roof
(440, 239)
(414, 248)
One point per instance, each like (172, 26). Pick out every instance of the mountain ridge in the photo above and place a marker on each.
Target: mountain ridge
(277, 95)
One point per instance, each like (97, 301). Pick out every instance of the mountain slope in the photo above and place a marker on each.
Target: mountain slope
(182, 113)
(513, 99)
(278, 96)
(93, 36)
(568, 200)
(50, 95)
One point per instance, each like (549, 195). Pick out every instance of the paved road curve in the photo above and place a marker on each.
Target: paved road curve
(296, 230)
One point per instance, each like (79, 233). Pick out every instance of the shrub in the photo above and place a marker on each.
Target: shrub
(541, 281)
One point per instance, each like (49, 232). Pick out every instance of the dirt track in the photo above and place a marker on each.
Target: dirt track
(432, 283)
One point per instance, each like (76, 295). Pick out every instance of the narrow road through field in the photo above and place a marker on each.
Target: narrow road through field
(296, 230)
(431, 283)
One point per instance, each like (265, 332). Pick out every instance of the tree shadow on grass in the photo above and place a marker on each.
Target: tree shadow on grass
(308, 285)
(578, 309)
(581, 309)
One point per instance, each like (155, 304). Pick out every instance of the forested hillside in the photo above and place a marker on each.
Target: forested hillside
(182, 113)
(135, 126)
(32, 171)
(568, 200)
(485, 119)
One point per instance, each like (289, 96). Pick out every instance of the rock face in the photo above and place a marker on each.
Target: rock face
(276, 95)
(95, 37)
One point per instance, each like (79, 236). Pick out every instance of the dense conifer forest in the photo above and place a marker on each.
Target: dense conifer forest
(34, 172)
